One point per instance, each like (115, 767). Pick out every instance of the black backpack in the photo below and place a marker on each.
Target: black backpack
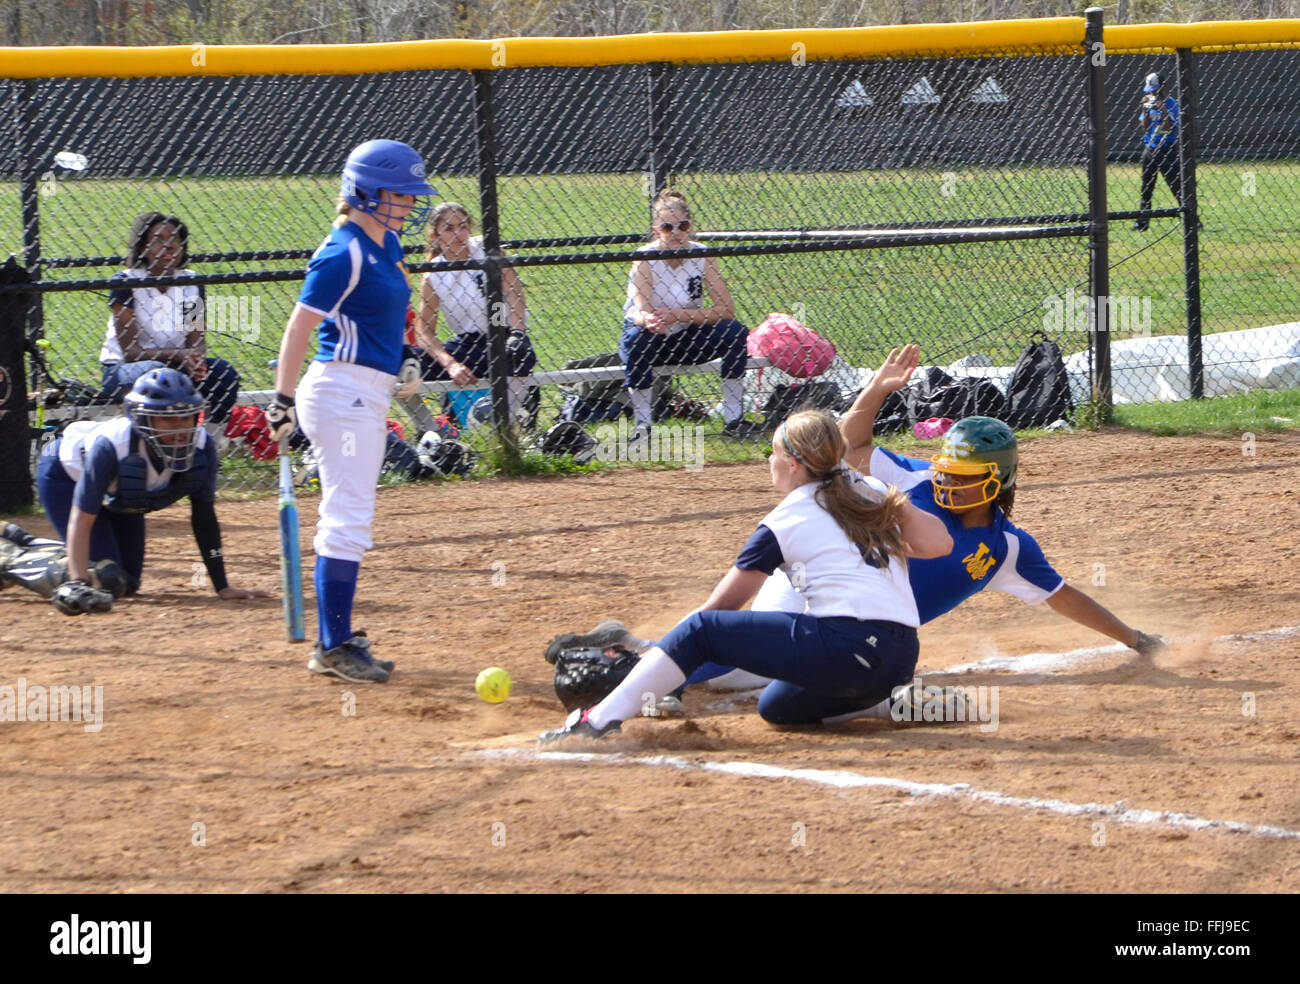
(786, 399)
(936, 394)
(1039, 390)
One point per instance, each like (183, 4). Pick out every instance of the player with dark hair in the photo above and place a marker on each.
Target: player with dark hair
(357, 293)
(97, 482)
(160, 327)
(855, 639)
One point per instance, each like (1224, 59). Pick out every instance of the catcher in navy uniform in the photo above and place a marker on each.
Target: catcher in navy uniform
(97, 482)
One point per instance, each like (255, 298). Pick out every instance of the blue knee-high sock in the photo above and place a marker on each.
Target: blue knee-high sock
(336, 585)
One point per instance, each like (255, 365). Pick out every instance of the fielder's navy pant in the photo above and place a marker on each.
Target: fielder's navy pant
(1165, 161)
(219, 388)
(115, 536)
(821, 666)
(471, 350)
(642, 350)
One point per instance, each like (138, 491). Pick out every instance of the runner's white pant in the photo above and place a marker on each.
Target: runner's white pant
(341, 407)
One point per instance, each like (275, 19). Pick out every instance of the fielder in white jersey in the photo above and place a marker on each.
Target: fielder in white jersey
(843, 540)
(970, 486)
(357, 292)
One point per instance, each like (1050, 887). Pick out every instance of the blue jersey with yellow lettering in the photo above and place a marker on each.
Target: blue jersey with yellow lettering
(361, 291)
(1000, 556)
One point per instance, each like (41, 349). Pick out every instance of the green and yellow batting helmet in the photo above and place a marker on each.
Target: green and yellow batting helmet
(981, 448)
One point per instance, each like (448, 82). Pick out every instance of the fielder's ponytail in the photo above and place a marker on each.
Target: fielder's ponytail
(813, 439)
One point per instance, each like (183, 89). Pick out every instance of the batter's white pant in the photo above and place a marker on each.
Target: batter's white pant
(341, 407)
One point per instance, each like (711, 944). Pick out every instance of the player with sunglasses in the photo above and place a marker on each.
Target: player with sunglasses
(666, 322)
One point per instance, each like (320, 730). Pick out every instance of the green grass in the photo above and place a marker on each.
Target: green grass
(1260, 411)
(955, 300)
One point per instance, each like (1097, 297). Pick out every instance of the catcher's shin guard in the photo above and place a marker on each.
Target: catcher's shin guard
(41, 569)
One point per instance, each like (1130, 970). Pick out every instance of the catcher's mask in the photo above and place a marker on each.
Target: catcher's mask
(167, 411)
(977, 453)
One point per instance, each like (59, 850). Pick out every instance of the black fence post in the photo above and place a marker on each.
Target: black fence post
(29, 178)
(15, 430)
(657, 132)
(1187, 149)
(490, 212)
(1098, 230)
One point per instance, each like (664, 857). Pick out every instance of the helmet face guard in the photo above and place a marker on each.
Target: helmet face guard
(167, 395)
(984, 477)
(390, 165)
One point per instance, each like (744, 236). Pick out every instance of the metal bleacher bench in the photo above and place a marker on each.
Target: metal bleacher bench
(554, 377)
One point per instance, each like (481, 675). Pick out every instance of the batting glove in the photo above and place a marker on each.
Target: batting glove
(78, 597)
(408, 379)
(281, 418)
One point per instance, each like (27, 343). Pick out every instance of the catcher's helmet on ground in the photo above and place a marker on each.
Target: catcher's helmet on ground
(980, 448)
(444, 456)
(391, 164)
(1153, 82)
(158, 405)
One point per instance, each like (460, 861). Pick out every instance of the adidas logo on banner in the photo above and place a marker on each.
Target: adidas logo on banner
(989, 91)
(921, 94)
(357, 402)
(854, 94)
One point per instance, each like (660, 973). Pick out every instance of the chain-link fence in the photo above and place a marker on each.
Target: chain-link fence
(913, 196)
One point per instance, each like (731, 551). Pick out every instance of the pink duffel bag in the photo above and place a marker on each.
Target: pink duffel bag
(791, 347)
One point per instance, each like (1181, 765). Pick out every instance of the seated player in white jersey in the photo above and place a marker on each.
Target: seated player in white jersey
(99, 480)
(848, 538)
(666, 322)
(460, 297)
(971, 486)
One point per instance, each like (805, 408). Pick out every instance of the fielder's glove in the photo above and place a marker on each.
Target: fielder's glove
(584, 677)
(78, 598)
(408, 379)
(281, 418)
(1149, 645)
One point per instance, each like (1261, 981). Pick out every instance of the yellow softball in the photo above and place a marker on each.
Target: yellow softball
(493, 685)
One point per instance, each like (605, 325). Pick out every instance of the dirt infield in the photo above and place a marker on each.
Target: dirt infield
(223, 765)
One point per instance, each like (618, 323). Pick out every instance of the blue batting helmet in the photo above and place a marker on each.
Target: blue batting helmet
(166, 394)
(391, 164)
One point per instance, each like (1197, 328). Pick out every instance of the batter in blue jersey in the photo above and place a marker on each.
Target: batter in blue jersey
(356, 295)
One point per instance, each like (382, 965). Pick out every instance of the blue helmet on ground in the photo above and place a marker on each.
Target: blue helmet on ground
(386, 164)
(166, 409)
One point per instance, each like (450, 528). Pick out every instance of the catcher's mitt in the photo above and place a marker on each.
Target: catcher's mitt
(78, 598)
(584, 677)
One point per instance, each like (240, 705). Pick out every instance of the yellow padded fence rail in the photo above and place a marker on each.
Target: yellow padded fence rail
(1042, 36)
